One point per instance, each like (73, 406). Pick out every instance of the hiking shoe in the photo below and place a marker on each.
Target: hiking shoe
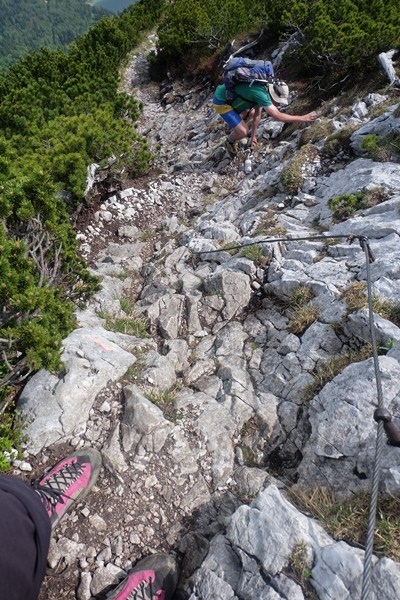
(153, 578)
(68, 482)
(231, 148)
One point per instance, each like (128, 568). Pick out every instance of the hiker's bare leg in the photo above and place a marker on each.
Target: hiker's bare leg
(247, 115)
(239, 132)
(255, 120)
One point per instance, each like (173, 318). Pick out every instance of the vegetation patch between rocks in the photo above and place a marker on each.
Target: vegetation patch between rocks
(348, 520)
(328, 370)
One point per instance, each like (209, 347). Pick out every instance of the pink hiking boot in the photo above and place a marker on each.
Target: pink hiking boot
(68, 482)
(153, 578)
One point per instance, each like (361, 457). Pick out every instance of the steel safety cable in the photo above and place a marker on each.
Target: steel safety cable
(275, 240)
(379, 416)
(366, 583)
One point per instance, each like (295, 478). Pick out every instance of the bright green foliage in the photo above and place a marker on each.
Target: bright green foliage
(189, 30)
(28, 25)
(11, 436)
(329, 35)
(345, 206)
(338, 35)
(59, 113)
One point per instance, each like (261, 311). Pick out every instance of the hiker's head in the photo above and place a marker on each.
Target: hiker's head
(279, 92)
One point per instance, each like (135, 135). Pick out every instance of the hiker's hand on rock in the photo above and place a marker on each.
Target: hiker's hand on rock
(310, 117)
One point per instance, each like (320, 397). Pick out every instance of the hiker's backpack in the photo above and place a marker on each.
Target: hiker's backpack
(244, 70)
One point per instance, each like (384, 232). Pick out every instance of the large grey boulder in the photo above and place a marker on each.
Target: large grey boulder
(340, 452)
(234, 288)
(384, 125)
(255, 558)
(57, 407)
(360, 174)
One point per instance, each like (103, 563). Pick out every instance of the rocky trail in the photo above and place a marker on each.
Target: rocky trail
(188, 370)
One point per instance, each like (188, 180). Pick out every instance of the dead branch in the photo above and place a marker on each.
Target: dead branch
(244, 48)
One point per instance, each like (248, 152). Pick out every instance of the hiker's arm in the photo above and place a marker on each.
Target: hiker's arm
(273, 112)
(256, 121)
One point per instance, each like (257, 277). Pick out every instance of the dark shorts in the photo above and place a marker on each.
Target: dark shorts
(229, 114)
(25, 536)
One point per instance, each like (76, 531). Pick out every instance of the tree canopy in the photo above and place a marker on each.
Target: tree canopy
(29, 25)
(327, 36)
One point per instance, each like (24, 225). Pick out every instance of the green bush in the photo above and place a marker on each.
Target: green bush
(189, 31)
(341, 35)
(345, 206)
(329, 36)
(381, 149)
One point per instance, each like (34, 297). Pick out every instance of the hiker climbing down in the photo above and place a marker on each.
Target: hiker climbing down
(247, 105)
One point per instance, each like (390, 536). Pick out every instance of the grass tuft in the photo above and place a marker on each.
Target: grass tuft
(328, 370)
(348, 520)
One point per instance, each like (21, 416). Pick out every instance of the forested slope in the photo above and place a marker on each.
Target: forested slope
(29, 25)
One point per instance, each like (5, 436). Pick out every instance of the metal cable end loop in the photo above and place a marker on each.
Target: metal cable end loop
(382, 414)
(366, 247)
(392, 432)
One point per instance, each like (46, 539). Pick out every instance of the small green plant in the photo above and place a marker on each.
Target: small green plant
(131, 324)
(165, 400)
(370, 145)
(192, 358)
(299, 568)
(253, 252)
(148, 235)
(122, 275)
(381, 149)
(387, 347)
(249, 457)
(355, 297)
(291, 176)
(126, 305)
(345, 206)
(11, 437)
(231, 248)
(328, 370)
(303, 317)
(300, 295)
(304, 312)
(317, 131)
(387, 309)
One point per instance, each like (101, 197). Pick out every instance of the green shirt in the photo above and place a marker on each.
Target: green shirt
(248, 96)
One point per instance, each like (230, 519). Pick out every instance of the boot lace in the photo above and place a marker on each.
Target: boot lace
(53, 491)
(144, 591)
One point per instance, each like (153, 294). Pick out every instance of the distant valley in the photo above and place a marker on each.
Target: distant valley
(29, 25)
(114, 6)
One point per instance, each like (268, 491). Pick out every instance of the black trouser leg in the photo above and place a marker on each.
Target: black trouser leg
(24, 540)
